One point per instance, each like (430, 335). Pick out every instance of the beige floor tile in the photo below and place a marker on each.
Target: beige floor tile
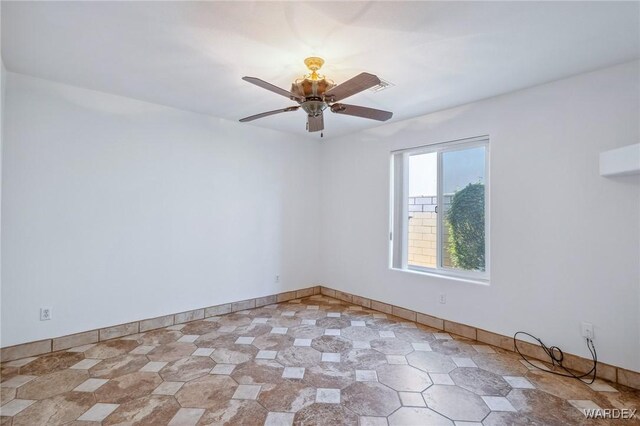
(330, 357)
(187, 417)
(328, 396)
(498, 403)
(483, 349)
(517, 382)
(224, 369)
(203, 352)
(154, 366)
(15, 406)
(85, 364)
(90, 385)
(98, 412)
(247, 392)
(372, 421)
(396, 359)
(168, 388)
(293, 372)
(279, 419)
(366, 376)
(263, 354)
(441, 379)
(17, 381)
(142, 350)
(20, 362)
(412, 399)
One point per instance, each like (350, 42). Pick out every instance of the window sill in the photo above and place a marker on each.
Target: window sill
(467, 280)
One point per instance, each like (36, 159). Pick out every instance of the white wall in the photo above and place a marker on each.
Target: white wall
(116, 210)
(565, 242)
(3, 73)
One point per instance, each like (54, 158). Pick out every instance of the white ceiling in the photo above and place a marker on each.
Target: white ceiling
(191, 55)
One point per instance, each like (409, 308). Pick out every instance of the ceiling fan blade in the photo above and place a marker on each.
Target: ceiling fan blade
(315, 123)
(272, 88)
(359, 111)
(357, 84)
(268, 113)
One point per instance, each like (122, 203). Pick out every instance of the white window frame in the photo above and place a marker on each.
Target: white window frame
(399, 200)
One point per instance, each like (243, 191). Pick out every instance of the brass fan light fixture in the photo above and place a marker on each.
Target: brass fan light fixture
(315, 93)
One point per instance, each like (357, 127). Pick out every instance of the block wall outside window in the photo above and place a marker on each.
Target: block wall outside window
(423, 232)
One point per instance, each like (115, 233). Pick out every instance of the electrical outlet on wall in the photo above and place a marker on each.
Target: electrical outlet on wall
(443, 298)
(587, 330)
(277, 278)
(45, 314)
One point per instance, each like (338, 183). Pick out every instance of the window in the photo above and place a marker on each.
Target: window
(440, 209)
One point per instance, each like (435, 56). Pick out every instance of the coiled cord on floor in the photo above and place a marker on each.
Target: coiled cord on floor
(557, 356)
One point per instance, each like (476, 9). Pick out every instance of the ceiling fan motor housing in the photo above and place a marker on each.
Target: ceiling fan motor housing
(312, 91)
(313, 106)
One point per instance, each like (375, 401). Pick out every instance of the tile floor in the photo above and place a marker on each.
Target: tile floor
(310, 361)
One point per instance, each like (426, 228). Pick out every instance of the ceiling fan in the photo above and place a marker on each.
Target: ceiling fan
(314, 93)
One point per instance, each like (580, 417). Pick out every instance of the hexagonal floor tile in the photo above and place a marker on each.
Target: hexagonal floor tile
(544, 408)
(331, 344)
(235, 412)
(212, 392)
(257, 372)
(150, 409)
(287, 396)
(414, 335)
(111, 348)
(59, 409)
(125, 388)
(328, 322)
(431, 362)
(370, 399)
(562, 387)
(299, 356)
(187, 369)
(274, 342)
(325, 414)
(417, 416)
(118, 366)
(363, 359)
(503, 365)
(51, 363)
(199, 327)
(52, 384)
(403, 378)
(329, 375)
(236, 355)
(392, 346)
(456, 403)
(363, 334)
(254, 330)
(159, 337)
(480, 381)
(452, 347)
(298, 331)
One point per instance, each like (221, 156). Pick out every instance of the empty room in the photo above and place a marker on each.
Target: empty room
(320, 213)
